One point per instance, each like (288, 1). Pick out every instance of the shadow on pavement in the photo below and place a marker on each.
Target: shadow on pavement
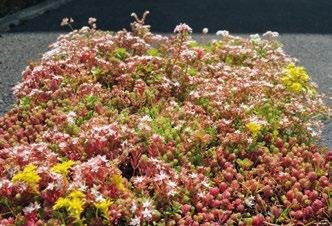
(237, 16)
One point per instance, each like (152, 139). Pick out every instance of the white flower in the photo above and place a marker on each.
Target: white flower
(223, 33)
(271, 34)
(255, 37)
(133, 208)
(162, 176)
(135, 221)
(284, 120)
(176, 84)
(28, 209)
(95, 169)
(155, 160)
(71, 114)
(50, 186)
(92, 20)
(62, 145)
(205, 184)
(171, 184)
(147, 203)
(171, 188)
(147, 214)
(201, 195)
(66, 21)
(227, 122)
(103, 158)
(257, 120)
(188, 55)
(205, 30)
(178, 127)
(22, 187)
(100, 198)
(171, 192)
(71, 121)
(146, 118)
(9, 184)
(1, 184)
(83, 187)
(244, 106)
(193, 175)
(181, 28)
(32, 207)
(250, 201)
(194, 94)
(95, 192)
(75, 140)
(143, 123)
(315, 132)
(139, 179)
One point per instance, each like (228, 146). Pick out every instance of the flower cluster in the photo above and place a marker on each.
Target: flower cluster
(133, 128)
(296, 79)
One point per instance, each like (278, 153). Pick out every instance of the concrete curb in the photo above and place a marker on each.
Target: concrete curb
(28, 13)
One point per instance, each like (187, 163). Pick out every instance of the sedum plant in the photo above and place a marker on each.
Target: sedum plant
(133, 128)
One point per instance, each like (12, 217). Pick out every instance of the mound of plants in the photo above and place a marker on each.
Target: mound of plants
(134, 128)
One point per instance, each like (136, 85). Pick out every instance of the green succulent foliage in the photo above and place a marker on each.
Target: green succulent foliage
(96, 71)
(120, 53)
(270, 112)
(25, 102)
(212, 131)
(153, 52)
(204, 102)
(72, 129)
(174, 208)
(192, 71)
(244, 163)
(163, 126)
(91, 101)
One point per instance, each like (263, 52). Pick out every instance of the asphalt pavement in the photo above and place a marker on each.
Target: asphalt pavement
(305, 27)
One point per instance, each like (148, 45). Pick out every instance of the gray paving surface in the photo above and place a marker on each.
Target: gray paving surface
(305, 27)
(240, 16)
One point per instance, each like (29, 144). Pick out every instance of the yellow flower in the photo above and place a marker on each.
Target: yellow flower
(63, 168)
(74, 203)
(296, 79)
(296, 87)
(297, 73)
(61, 203)
(76, 195)
(28, 176)
(117, 181)
(254, 128)
(103, 207)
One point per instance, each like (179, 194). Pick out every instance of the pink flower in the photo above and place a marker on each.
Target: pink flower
(182, 28)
